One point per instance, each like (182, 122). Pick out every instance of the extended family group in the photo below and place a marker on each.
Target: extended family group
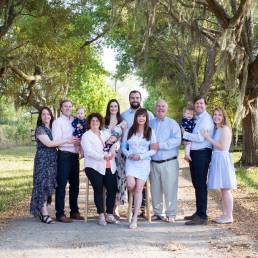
(121, 151)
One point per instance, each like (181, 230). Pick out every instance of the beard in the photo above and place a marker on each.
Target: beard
(135, 105)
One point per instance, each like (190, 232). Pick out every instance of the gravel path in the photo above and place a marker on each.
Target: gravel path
(27, 238)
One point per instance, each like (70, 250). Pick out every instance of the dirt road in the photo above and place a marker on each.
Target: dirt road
(26, 237)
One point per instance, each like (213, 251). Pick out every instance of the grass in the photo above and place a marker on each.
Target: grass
(16, 169)
(246, 177)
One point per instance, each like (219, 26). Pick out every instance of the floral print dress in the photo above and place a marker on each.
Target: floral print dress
(121, 196)
(44, 174)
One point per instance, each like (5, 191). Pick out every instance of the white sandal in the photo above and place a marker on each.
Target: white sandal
(111, 219)
(133, 225)
(223, 220)
(102, 220)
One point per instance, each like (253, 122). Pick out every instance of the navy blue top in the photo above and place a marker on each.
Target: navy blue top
(108, 146)
(188, 124)
(79, 126)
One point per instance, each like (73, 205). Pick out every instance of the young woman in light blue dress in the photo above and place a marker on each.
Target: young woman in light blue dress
(222, 173)
(137, 149)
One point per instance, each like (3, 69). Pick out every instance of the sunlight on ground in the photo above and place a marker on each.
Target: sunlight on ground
(16, 168)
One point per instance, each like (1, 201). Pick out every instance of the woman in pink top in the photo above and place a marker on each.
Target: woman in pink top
(100, 167)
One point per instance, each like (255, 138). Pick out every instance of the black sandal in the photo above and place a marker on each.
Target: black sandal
(46, 219)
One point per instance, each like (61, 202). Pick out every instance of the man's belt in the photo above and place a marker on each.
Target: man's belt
(162, 161)
(68, 153)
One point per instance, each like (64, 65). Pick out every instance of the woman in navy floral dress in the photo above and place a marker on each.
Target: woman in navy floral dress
(114, 119)
(45, 165)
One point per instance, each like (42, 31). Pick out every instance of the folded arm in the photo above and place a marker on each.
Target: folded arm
(174, 140)
(150, 152)
(197, 136)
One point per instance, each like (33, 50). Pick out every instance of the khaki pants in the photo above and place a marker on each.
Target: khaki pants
(164, 186)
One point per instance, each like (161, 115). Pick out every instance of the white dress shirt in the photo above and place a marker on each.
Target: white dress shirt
(203, 122)
(92, 147)
(62, 129)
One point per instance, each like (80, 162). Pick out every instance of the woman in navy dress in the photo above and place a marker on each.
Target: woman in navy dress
(45, 165)
(113, 119)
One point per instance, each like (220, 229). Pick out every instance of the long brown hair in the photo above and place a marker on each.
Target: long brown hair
(108, 114)
(225, 120)
(39, 120)
(135, 126)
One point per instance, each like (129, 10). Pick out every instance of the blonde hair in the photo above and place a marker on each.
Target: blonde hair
(225, 120)
(189, 108)
(77, 109)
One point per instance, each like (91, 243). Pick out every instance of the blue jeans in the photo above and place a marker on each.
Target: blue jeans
(67, 171)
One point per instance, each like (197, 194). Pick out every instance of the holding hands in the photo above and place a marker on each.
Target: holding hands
(109, 155)
(134, 157)
(73, 140)
(154, 146)
(206, 134)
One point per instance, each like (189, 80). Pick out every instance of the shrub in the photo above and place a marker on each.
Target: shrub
(22, 133)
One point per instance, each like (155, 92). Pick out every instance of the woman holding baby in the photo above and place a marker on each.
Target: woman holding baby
(115, 124)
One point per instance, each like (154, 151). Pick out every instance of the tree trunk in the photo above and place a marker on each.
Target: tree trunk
(250, 136)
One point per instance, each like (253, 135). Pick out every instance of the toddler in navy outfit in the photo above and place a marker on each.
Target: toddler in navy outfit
(79, 125)
(188, 123)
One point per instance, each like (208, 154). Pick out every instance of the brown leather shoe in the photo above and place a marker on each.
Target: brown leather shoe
(64, 219)
(197, 221)
(190, 217)
(76, 216)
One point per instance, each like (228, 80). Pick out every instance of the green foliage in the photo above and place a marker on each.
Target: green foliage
(171, 54)
(93, 95)
(50, 37)
(149, 103)
(7, 111)
(246, 177)
(7, 135)
(15, 125)
(227, 100)
(172, 96)
(22, 134)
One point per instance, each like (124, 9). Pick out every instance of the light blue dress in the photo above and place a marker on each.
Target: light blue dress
(138, 145)
(221, 172)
